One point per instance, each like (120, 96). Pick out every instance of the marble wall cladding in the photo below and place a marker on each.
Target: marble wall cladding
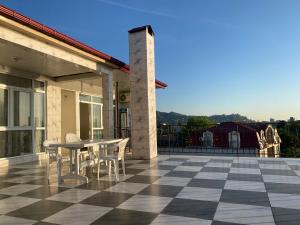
(143, 100)
(53, 112)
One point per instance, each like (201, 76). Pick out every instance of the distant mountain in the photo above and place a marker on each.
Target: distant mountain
(174, 118)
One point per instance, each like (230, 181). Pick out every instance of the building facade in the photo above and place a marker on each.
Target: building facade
(52, 84)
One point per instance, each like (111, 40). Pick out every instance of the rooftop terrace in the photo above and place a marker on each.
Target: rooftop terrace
(175, 189)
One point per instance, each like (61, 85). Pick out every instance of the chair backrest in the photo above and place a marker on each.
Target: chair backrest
(70, 137)
(121, 147)
(51, 151)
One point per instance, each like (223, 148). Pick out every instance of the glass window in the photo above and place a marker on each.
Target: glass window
(15, 81)
(97, 134)
(39, 86)
(3, 107)
(85, 98)
(96, 99)
(21, 142)
(3, 144)
(39, 113)
(39, 137)
(22, 114)
(97, 116)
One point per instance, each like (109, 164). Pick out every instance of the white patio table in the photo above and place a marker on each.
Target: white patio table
(75, 147)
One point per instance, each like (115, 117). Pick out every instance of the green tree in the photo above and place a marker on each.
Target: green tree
(199, 122)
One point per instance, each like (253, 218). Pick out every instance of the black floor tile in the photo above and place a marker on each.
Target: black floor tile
(224, 223)
(177, 159)
(221, 160)
(245, 177)
(98, 185)
(142, 179)
(164, 167)
(245, 197)
(191, 208)
(3, 196)
(107, 199)
(125, 217)
(276, 161)
(43, 192)
(42, 181)
(295, 167)
(245, 165)
(193, 164)
(283, 188)
(186, 174)
(40, 210)
(6, 184)
(206, 183)
(133, 171)
(215, 169)
(278, 172)
(285, 216)
(161, 190)
(44, 223)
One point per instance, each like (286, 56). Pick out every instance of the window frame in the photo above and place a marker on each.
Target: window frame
(10, 115)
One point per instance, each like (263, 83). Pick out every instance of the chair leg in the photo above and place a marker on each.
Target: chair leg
(109, 168)
(98, 171)
(116, 167)
(123, 166)
(59, 168)
(48, 171)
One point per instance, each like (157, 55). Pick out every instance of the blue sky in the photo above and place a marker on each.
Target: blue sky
(217, 56)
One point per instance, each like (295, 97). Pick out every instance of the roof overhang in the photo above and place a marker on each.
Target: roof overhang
(28, 22)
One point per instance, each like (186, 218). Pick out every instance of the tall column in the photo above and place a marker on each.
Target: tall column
(108, 110)
(142, 93)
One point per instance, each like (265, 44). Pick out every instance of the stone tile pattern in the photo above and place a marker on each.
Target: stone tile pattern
(214, 190)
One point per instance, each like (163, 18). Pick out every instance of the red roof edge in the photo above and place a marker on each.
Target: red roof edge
(66, 39)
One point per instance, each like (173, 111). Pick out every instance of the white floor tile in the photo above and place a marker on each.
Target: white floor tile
(146, 203)
(127, 187)
(281, 179)
(245, 171)
(73, 195)
(218, 164)
(188, 168)
(154, 172)
(274, 166)
(9, 220)
(289, 201)
(19, 189)
(204, 194)
(171, 163)
(244, 214)
(24, 179)
(245, 186)
(211, 176)
(78, 214)
(13, 203)
(173, 181)
(163, 219)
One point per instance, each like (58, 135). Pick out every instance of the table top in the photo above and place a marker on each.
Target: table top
(85, 143)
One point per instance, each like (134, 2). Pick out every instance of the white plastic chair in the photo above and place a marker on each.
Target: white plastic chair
(114, 158)
(53, 156)
(83, 163)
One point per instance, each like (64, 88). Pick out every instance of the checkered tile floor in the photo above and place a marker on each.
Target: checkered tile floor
(175, 190)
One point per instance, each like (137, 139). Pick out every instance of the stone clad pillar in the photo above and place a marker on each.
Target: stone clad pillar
(108, 110)
(142, 93)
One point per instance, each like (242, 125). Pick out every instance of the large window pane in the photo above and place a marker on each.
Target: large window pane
(22, 103)
(3, 144)
(96, 116)
(39, 113)
(3, 107)
(15, 81)
(21, 142)
(39, 86)
(39, 139)
(97, 134)
(15, 143)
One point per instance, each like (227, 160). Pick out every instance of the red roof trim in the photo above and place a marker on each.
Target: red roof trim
(66, 39)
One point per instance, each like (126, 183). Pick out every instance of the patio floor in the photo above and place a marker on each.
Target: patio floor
(172, 190)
